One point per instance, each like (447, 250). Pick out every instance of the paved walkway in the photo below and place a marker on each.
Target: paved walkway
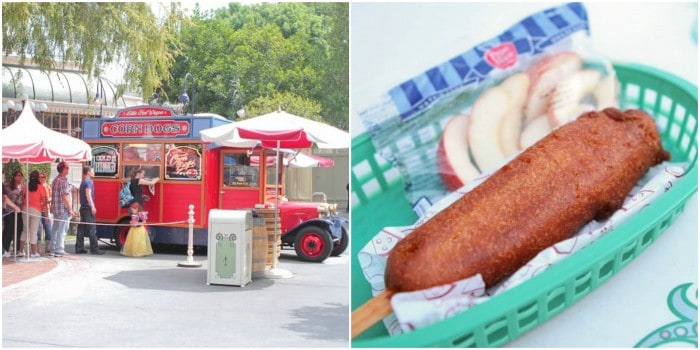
(26, 275)
(151, 302)
(23, 269)
(15, 270)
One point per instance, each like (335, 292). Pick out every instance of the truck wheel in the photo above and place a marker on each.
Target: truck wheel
(120, 232)
(342, 244)
(313, 244)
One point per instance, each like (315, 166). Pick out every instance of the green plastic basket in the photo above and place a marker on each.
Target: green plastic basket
(379, 201)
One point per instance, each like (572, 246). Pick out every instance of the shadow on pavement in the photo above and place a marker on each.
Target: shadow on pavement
(325, 322)
(289, 255)
(181, 279)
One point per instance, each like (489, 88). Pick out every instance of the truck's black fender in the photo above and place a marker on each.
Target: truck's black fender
(333, 224)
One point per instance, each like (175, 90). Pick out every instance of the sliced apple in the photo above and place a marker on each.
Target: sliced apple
(454, 165)
(517, 86)
(568, 95)
(606, 92)
(544, 75)
(534, 131)
(484, 130)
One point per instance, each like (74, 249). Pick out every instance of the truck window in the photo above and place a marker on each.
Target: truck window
(142, 155)
(150, 171)
(141, 152)
(238, 171)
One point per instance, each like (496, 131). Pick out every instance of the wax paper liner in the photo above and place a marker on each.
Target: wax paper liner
(418, 309)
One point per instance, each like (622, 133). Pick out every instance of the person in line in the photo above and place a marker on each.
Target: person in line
(14, 198)
(8, 209)
(138, 243)
(137, 180)
(61, 209)
(87, 214)
(37, 194)
(45, 218)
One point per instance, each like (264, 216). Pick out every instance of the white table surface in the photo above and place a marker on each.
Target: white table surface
(392, 42)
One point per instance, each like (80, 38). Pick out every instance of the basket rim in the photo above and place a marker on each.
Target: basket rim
(465, 322)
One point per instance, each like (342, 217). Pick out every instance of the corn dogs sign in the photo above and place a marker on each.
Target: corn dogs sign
(139, 122)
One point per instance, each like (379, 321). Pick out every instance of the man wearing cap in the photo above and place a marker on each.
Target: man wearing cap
(62, 209)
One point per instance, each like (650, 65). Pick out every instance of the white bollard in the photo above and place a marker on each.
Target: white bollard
(190, 242)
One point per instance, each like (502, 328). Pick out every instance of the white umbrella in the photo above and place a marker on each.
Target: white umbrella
(290, 130)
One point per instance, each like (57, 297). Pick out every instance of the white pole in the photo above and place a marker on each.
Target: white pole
(190, 241)
(26, 249)
(276, 272)
(25, 220)
(14, 243)
(275, 259)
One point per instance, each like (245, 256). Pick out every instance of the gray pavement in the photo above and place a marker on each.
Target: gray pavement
(116, 301)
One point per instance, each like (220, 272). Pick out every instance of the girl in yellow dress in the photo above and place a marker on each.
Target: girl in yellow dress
(137, 243)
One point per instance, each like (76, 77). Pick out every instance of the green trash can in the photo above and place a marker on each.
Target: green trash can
(230, 253)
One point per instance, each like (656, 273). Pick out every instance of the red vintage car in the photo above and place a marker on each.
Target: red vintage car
(313, 238)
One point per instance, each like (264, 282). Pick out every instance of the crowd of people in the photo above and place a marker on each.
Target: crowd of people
(49, 211)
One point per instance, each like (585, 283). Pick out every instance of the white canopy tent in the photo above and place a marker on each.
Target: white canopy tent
(29, 141)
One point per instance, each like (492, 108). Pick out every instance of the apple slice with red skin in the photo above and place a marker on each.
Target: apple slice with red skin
(544, 75)
(485, 121)
(454, 165)
(534, 131)
(517, 86)
(565, 104)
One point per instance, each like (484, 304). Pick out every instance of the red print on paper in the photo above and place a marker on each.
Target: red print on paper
(502, 56)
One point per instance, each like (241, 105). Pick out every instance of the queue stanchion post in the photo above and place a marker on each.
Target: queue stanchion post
(14, 242)
(25, 219)
(190, 242)
(28, 243)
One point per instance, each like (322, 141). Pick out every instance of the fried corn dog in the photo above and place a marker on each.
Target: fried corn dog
(579, 172)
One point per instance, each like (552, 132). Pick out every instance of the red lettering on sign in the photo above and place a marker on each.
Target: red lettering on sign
(144, 111)
(156, 128)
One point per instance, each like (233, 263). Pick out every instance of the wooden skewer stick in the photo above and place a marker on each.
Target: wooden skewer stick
(371, 312)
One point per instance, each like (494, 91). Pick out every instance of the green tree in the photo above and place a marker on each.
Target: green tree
(292, 102)
(335, 80)
(93, 35)
(287, 55)
(13, 165)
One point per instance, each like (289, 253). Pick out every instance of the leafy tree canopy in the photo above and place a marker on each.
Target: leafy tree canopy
(288, 55)
(93, 35)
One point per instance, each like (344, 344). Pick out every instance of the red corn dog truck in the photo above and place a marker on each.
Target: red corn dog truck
(168, 146)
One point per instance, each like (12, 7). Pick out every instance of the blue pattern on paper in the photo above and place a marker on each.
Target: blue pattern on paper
(530, 36)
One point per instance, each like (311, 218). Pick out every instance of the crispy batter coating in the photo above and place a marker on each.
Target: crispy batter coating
(579, 172)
